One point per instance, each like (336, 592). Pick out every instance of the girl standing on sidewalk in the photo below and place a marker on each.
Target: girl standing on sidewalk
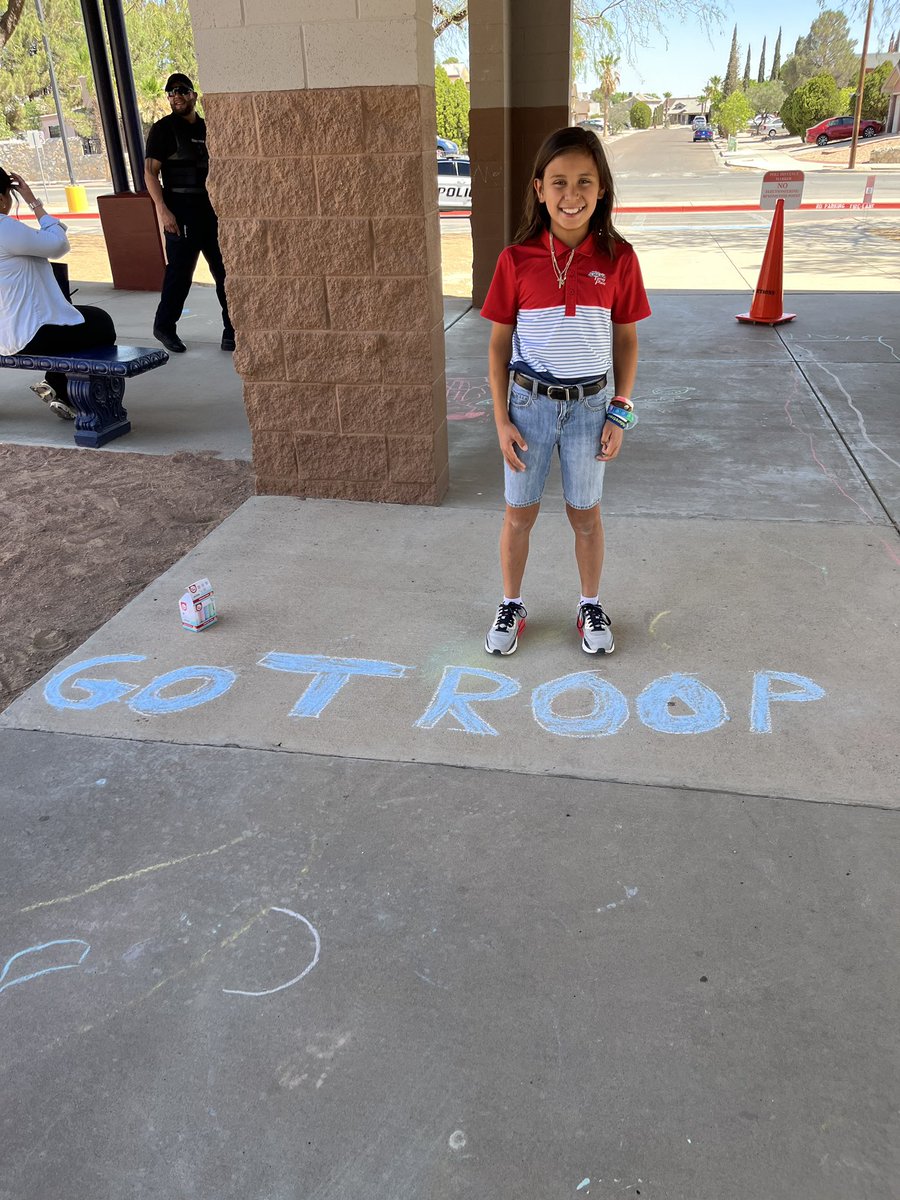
(564, 303)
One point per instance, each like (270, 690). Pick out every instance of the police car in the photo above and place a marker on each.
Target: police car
(454, 183)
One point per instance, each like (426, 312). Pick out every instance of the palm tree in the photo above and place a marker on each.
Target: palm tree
(712, 91)
(151, 99)
(667, 96)
(609, 83)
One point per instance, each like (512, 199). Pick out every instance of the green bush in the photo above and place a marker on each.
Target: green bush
(452, 107)
(734, 113)
(810, 103)
(640, 115)
(875, 102)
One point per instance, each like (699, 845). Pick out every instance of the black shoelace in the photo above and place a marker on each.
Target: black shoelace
(507, 615)
(594, 617)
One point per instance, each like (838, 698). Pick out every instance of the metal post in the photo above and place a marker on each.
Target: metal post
(131, 119)
(106, 101)
(859, 89)
(55, 89)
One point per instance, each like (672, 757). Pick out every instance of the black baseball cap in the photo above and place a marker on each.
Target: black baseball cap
(178, 80)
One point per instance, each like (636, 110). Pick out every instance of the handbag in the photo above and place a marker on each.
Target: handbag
(61, 274)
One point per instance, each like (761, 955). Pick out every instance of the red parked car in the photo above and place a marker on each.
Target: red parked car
(833, 128)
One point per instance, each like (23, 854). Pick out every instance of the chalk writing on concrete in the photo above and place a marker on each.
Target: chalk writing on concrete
(329, 676)
(608, 714)
(448, 701)
(678, 703)
(764, 697)
(306, 970)
(34, 955)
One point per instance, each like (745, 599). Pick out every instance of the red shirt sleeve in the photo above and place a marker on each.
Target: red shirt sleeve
(501, 303)
(630, 303)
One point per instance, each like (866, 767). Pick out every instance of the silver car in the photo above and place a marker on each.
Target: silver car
(454, 183)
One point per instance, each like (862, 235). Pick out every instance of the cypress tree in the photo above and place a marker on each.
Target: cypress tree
(731, 74)
(776, 58)
(761, 73)
(746, 79)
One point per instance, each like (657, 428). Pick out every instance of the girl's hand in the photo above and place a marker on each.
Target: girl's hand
(610, 442)
(510, 438)
(22, 187)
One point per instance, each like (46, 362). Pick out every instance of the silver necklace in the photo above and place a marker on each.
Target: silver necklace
(560, 274)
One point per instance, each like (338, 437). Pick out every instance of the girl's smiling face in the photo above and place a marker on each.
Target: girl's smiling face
(571, 191)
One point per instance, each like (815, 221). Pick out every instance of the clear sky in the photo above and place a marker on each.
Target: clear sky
(694, 54)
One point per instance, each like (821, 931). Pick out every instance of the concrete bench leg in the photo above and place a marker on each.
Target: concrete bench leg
(101, 416)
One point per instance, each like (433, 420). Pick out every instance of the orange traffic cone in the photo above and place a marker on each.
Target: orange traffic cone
(769, 296)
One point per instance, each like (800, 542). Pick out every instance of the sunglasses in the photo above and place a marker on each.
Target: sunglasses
(178, 91)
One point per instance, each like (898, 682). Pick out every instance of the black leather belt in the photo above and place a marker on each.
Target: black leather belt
(559, 391)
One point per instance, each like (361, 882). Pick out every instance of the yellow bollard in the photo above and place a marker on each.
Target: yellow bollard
(76, 199)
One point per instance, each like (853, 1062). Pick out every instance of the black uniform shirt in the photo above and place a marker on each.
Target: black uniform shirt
(180, 146)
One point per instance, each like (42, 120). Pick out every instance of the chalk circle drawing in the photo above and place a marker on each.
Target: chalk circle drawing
(32, 950)
(457, 1140)
(306, 970)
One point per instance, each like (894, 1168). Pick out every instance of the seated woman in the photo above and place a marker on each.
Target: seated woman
(35, 316)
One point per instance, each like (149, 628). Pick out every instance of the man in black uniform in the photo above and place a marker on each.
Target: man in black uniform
(176, 146)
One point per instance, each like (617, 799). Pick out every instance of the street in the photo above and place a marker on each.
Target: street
(664, 166)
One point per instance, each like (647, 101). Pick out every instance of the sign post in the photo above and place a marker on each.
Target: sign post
(781, 185)
(780, 190)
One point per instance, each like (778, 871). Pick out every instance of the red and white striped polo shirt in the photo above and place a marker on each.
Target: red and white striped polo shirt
(564, 335)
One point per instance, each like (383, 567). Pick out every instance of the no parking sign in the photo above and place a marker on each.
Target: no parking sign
(781, 185)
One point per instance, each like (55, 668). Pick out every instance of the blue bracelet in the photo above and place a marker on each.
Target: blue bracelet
(623, 417)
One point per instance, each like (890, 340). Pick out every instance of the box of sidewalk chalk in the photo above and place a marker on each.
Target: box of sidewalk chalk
(198, 606)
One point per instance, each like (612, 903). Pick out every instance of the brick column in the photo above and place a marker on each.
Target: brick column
(519, 72)
(327, 202)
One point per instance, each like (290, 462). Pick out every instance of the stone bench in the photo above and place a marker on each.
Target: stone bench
(96, 381)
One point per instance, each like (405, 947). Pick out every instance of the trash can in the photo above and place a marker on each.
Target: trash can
(732, 143)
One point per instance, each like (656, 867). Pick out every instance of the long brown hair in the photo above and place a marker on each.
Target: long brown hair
(535, 217)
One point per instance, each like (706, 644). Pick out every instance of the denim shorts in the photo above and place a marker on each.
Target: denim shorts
(573, 429)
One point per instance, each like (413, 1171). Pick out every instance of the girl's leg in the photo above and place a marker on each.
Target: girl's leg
(589, 544)
(514, 538)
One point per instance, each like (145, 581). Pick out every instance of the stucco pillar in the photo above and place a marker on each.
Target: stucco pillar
(519, 76)
(321, 137)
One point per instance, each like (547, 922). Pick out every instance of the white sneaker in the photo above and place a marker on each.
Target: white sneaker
(595, 628)
(503, 635)
(45, 392)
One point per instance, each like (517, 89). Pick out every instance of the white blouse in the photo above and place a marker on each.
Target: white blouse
(29, 294)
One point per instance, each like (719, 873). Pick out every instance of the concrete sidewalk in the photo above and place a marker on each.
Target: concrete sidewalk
(790, 153)
(326, 904)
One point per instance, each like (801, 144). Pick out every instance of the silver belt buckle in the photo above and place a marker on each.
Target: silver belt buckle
(557, 387)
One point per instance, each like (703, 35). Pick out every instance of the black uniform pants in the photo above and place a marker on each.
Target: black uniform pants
(198, 233)
(97, 330)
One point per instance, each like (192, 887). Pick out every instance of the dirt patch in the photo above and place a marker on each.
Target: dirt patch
(84, 532)
(456, 263)
(89, 262)
(867, 150)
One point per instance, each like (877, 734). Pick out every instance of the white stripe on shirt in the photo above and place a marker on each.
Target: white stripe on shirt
(574, 348)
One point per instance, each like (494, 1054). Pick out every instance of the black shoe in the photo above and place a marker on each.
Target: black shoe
(171, 341)
(228, 340)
